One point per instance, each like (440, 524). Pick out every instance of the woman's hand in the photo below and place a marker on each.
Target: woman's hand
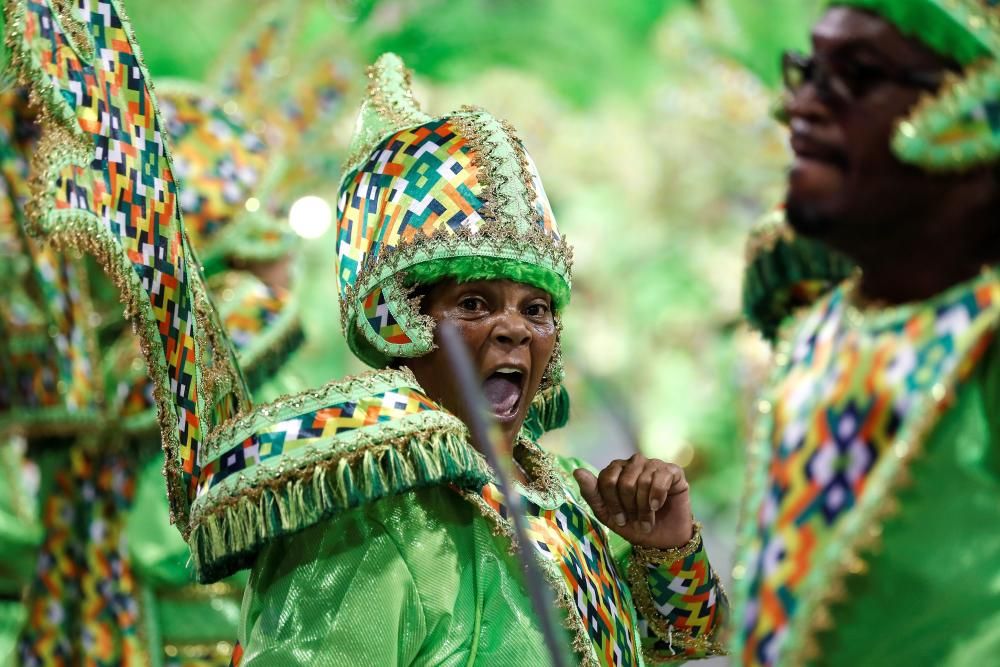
(644, 500)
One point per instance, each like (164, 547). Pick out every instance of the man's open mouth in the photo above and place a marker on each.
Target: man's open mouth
(503, 389)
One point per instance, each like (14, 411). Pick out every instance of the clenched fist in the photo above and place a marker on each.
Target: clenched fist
(644, 500)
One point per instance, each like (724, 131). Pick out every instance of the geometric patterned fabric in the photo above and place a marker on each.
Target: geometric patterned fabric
(686, 593)
(83, 601)
(124, 200)
(578, 546)
(422, 179)
(419, 179)
(845, 395)
(46, 336)
(382, 320)
(255, 309)
(220, 162)
(311, 428)
(249, 310)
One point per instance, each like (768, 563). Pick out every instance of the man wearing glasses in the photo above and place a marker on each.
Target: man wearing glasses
(872, 530)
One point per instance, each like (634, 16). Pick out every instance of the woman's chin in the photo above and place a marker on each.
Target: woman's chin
(510, 426)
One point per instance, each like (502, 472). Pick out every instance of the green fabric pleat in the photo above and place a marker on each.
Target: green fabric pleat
(12, 618)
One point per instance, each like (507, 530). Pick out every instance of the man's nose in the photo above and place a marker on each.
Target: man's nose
(806, 103)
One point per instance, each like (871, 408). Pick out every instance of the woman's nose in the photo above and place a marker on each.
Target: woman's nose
(511, 329)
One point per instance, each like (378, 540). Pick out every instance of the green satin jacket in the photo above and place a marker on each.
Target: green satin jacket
(428, 578)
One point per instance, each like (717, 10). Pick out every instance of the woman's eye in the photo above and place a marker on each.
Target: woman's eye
(537, 310)
(471, 303)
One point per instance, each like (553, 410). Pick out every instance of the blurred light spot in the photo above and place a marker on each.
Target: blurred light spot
(253, 204)
(231, 108)
(684, 455)
(310, 217)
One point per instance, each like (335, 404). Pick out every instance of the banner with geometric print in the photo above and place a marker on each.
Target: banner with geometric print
(103, 182)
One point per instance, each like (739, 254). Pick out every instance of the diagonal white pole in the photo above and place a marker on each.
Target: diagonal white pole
(481, 427)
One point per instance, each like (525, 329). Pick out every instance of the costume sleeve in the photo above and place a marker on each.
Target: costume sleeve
(680, 603)
(340, 593)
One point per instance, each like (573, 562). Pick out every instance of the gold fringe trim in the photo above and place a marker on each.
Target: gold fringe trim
(229, 524)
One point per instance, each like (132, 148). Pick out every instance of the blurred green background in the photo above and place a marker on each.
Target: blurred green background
(651, 125)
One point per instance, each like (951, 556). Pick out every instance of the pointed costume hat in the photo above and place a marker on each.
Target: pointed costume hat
(424, 199)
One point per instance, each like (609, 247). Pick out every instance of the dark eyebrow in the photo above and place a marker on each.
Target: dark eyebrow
(854, 46)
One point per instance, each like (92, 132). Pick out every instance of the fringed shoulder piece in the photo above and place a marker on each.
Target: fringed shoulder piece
(309, 457)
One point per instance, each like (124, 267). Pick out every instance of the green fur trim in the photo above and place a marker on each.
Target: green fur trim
(790, 274)
(946, 26)
(549, 411)
(226, 537)
(467, 269)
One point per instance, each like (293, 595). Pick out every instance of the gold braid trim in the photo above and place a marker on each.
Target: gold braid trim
(204, 651)
(200, 592)
(654, 556)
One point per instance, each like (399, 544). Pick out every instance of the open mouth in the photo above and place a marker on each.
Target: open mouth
(503, 389)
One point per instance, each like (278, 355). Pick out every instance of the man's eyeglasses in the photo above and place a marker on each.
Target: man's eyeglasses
(847, 80)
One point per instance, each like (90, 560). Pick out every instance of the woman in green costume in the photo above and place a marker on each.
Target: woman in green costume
(445, 219)
(373, 529)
